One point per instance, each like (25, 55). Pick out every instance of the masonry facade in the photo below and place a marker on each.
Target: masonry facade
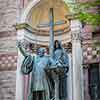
(8, 52)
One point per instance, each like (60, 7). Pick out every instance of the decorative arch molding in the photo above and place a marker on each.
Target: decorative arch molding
(25, 19)
(27, 10)
(33, 3)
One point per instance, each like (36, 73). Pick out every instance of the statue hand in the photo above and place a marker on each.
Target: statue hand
(20, 47)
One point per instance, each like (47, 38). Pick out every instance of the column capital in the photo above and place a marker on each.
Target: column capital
(76, 29)
(76, 36)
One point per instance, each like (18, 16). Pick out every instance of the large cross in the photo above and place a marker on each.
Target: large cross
(51, 32)
(51, 24)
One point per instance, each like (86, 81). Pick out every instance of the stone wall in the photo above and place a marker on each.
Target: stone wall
(8, 63)
(7, 85)
(8, 18)
(8, 51)
(8, 14)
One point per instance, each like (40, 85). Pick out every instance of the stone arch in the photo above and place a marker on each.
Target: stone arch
(30, 9)
(27, 10)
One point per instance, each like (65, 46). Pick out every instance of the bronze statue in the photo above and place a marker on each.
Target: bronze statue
(36, 64)
(61, 60)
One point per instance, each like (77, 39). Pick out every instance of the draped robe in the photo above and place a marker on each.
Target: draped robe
(61, 58)
(36, 65)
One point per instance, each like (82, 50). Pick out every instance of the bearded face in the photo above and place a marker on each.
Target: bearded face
(41, 52)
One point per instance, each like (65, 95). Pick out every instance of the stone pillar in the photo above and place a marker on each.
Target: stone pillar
(19, 76)
(77, 74)
(69, 79)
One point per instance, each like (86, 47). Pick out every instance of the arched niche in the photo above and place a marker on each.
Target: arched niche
(37, 13)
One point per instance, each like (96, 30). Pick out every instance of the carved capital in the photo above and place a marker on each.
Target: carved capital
(76, 36)
(76, 28)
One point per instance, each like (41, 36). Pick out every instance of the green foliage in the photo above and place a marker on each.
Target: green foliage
(89, 18)
(88, 4)
(84, 15)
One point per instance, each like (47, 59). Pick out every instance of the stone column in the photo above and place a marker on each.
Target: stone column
(77, 75)
(19, 76)
(69, 78)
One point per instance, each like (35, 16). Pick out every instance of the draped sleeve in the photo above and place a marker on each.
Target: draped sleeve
(27, 64)
(66, 59)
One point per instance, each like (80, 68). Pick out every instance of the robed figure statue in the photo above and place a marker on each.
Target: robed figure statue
(36, 64)
(57, 72)
(61, 60)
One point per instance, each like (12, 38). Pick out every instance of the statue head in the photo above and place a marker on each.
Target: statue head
(41, 52)
(57, 45)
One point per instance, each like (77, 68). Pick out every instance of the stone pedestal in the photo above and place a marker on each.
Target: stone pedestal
(77, 74)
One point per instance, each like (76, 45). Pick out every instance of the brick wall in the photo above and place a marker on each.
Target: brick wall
(7, 85)
(8, 14)
(8, 45)
(8, 51)
(8, 61)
